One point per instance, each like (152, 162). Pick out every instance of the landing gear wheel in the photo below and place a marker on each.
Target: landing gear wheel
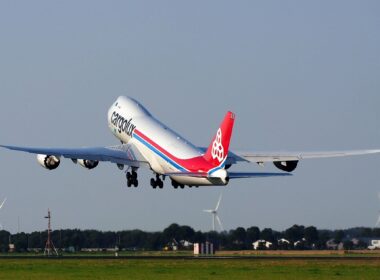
(153, 183)
(160, 184)
(156, 182)
(132, 179)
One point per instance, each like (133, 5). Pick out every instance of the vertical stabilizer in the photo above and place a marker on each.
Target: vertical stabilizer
(217, 152)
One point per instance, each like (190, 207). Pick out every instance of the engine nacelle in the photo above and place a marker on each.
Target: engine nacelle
(89, 164)
(48, 162)
(287, 166)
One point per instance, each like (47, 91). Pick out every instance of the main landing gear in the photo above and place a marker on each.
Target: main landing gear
(157, 182)
(175, 184)
(132, 179)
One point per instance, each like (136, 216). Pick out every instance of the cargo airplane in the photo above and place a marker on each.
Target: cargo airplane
(146, 142)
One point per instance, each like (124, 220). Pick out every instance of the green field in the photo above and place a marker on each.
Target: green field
(188, 269)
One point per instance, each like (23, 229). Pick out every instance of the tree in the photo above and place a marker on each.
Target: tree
(238, 238)
(295, 233)
(376, 232)
(311, 235)
(253, 234)
(324, 236)
(171, 232)
(338, 236)
(199, 237)
(348, 245)
(4, 237)
(267, 235)
(239, 234)
(154, 241)
(20, 241)
(186, 233)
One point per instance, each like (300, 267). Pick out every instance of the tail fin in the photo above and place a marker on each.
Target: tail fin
(217, 152)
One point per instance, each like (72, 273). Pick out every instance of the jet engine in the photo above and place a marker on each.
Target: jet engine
(287, 166)
(48, 162)
(89, 164)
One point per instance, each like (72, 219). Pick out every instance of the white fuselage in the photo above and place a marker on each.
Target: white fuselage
(164, 150)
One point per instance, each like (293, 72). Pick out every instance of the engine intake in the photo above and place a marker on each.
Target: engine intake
(49, 162)
(89, 164)
(287, 166)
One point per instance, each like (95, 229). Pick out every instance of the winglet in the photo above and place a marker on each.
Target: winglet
(217, 152)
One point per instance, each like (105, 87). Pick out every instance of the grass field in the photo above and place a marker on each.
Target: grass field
(245, 253)
(188, 269)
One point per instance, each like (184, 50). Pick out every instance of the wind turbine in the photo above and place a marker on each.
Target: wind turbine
(214, 213)
(378, 218)
(1, 206)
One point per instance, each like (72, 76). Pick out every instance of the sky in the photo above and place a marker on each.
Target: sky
(299, 75)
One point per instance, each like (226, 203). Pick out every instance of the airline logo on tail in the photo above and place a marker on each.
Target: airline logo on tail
(217, 147)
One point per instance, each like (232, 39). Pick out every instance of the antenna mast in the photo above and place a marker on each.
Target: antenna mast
(49, 247)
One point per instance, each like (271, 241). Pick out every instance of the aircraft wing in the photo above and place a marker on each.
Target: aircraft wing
(261, 157)
(125, 154)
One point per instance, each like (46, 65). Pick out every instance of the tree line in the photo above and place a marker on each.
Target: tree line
(299, 237)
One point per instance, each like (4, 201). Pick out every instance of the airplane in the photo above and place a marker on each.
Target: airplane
(147, 142)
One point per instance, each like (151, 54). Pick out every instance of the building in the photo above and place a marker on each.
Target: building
(375, 244)
(259, 244)
(206, 248)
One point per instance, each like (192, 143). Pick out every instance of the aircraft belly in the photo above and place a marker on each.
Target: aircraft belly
(194, 181)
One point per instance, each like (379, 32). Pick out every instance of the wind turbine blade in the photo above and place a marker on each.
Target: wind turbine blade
(378, 221)
(219, 222)
(378, 195)
(213, 221)
(217, 205)
(1, 206)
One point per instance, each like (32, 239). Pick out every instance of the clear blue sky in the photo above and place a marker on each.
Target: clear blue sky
(300, 75)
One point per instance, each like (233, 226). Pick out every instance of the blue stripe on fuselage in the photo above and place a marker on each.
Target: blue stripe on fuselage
(156, 151)
(221, 166)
